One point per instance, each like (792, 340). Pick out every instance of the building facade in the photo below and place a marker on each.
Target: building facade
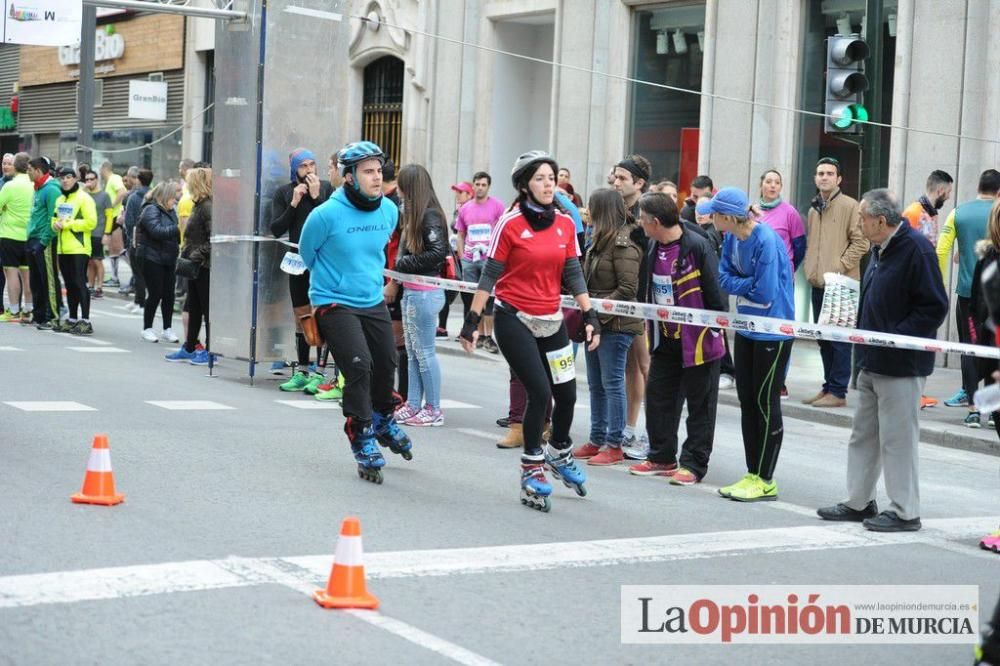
(631, 71)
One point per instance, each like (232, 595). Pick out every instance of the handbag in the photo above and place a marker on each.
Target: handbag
(187, 269)
(448, 268)
(575, 328)
(310, 330)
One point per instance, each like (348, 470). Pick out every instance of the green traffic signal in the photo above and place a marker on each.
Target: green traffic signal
(846, 115)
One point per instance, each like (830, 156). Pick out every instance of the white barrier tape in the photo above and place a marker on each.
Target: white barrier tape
(697, 317)
(741, 322)
(249, 238)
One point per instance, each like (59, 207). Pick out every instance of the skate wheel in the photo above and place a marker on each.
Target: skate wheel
(581, 490)
(546, 505)
(406, 455)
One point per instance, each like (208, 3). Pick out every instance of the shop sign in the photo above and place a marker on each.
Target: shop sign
(147, 99)
(106, 47)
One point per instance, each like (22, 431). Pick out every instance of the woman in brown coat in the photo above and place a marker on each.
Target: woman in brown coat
(612, 272)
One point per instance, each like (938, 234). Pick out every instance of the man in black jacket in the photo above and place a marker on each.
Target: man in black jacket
(902, 294)
(290, 206)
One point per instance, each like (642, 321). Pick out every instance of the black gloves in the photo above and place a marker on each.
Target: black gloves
(471, 324)
(590, 319)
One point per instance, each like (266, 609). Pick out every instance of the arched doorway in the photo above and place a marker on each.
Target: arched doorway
(382, 105)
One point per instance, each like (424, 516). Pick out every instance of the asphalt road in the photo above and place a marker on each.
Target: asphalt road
(232, 515)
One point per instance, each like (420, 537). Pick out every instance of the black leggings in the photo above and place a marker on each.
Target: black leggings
(74, 272)
(526, 355)
(159, 292)
(135, 262)
(365, 352)
(760, 372)
(197, 303)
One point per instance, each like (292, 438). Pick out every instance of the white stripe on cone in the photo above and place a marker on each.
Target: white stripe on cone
(99, 461)
(348, 551)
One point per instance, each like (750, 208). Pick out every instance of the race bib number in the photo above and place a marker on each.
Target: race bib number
(293, 264)
(562, 364)
(64, 211)
(663, 290)
(477, 237)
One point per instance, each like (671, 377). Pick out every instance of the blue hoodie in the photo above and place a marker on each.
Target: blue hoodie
(344, 249)
(758, 273)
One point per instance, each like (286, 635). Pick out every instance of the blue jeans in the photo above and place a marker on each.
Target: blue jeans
(836, 356)
(606, 376)
(420, 311)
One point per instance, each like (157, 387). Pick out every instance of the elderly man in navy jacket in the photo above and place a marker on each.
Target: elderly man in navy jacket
(902, 293)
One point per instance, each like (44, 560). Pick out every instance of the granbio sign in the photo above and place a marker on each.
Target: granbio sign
(106, 47)
(151, 43)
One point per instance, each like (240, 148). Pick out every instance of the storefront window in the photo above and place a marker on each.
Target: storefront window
(824, 20)
(664, 123)
(162, 158)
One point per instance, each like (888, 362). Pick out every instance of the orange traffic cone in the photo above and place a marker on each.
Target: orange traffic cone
(99, 482)
(346, 587)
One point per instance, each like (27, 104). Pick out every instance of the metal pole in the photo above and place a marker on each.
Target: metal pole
(871, 152)
(143, 6)
(85, 90)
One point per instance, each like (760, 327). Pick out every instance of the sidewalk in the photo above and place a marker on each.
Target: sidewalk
(939, 425)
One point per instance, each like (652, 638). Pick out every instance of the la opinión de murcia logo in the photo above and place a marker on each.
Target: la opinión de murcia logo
(820, 614)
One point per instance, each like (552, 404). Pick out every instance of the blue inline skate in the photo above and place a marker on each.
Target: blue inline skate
(563, 466)
(389, 434)
(365, 450)
(535, 488)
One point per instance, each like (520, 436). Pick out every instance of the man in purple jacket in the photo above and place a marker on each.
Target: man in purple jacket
(683, 271)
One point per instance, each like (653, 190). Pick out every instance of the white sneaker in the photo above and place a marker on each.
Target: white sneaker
(726, 382)
(637, 448)
(149, 335)
(133, 308)
(169, 336)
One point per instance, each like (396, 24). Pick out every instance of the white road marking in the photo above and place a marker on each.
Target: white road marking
(105, 313)
(455, 404)
(50, 406)
(180, 405)
(82, 338)
(5, 348)
(480, 433)
(276, 571)
(310, 404)
(167, 578)
(99, 350)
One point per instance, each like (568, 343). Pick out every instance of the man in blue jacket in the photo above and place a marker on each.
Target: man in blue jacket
(902, 294)
(343, 245)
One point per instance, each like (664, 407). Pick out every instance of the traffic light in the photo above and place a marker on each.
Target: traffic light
(846, 84)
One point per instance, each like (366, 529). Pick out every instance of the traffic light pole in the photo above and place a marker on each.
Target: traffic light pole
(871, 147)
(85, 89)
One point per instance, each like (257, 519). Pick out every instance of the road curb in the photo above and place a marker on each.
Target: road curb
(844, 418)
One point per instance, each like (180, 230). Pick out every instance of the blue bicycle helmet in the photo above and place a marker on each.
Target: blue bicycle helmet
(354, 153)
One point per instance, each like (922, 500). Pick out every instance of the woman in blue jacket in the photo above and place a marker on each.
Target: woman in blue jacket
(754, 267)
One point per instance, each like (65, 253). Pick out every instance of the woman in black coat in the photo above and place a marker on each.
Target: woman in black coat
(157, 246)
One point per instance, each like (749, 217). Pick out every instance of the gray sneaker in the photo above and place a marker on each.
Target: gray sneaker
(636, 448)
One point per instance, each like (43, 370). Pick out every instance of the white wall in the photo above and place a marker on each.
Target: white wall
(522, 91)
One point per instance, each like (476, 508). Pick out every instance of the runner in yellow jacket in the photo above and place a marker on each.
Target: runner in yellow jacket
(75, 217)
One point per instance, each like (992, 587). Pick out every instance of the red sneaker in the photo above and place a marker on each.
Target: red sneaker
(586, 451)
(926, 402)
(609, 455)
(650, 468)
(684, 477)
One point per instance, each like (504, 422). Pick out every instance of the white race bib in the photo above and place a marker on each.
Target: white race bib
(64, 211)
(562, 364)
(293, 264)
(663, 290)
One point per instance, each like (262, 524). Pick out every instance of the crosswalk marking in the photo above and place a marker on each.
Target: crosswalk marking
(62, 587)
(310, 404)
(99, 350)
(50, 406)
(181, 405)
(5, 348)
(455, 404)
